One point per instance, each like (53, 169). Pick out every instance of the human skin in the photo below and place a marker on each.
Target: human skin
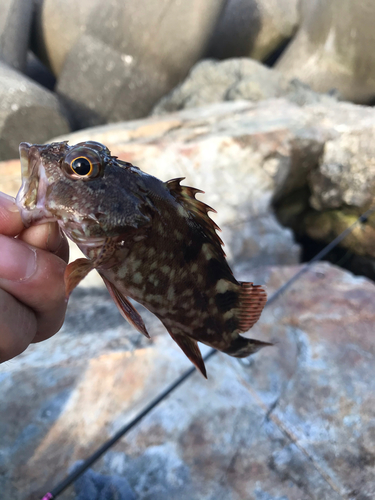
(32, 292)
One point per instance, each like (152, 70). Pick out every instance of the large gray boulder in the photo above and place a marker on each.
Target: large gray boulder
(234, 79)
(254, 28)
(15, 22)
(28, 112)
(334, 48)
(114, 60)
(294, 422)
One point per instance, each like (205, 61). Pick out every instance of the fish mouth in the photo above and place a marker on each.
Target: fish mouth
(32, 197)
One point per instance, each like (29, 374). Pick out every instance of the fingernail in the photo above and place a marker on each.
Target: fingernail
(54, 239)
(17, 259)
(8, 202)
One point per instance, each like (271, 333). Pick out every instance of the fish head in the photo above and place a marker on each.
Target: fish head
(91, 194)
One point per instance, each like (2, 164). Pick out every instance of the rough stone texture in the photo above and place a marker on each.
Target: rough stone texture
(295, 421)
(15, 21)
(114, 60)
(334, 48)
(343, 185)
(254, 28)
(28, 112)
(232, 80)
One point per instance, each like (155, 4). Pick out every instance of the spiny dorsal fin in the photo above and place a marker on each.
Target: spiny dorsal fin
(199, 210)
(252, 299)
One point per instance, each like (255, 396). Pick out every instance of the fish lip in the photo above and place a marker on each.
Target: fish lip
(32, 196)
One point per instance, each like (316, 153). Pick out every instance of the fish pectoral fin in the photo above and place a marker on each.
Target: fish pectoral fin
(252, 299)
(126, 309)
(74, 274)
(241, 347)
(191, 349)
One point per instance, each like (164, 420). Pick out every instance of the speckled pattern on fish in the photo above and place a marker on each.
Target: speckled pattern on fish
(150, 240)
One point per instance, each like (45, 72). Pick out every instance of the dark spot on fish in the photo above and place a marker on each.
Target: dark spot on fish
(200, 299)
(217, 270)
(226, 301)
(214, 271)
(231, 324)
(191, 251)
(210, 324)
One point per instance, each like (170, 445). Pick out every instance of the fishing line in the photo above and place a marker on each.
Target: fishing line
(126, 428)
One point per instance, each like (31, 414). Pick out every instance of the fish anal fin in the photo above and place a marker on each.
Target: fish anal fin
(240, 347)
(75, 272)
(191, 349)
(126, 309)
(252, 299)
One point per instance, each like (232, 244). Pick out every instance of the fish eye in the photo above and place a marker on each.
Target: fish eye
(82, 163)
(82, 166)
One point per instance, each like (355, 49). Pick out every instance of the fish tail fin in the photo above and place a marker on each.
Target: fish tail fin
(240, 347)
(252, 299)
(191, 349)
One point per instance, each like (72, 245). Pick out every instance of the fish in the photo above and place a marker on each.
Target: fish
(149, 240)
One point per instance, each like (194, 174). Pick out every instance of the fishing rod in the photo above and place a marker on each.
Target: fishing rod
(73, 476)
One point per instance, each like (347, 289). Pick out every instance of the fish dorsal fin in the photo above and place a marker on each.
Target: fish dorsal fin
(199, 210)
(75, 272)
(252, 299)
(191, 349)
(126, 309)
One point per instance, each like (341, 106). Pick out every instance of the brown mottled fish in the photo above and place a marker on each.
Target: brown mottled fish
(149, 240)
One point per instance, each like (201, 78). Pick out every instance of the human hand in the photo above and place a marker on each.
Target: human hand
(32, 292)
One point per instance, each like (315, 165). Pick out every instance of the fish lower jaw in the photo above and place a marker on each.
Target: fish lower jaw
(32, 197)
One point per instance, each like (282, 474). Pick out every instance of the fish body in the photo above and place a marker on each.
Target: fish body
(150, 240)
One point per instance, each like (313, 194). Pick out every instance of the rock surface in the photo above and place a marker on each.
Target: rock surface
(15, 22)
(333, 48)
(113, 61)
(295, 421)
(254, 28)
(28, 112)
(232, 80)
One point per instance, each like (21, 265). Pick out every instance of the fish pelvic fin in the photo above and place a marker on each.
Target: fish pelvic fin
(75, 272)
(252, 299)
(191, 349)
(125, 307)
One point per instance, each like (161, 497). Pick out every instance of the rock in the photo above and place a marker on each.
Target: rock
(28, 112)
(94, 486)
(110, 69)
(343, 185)
(254, 28)
(333, 48)
(291, 422)
(36, 70)
(231, 80)
(15, 21)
